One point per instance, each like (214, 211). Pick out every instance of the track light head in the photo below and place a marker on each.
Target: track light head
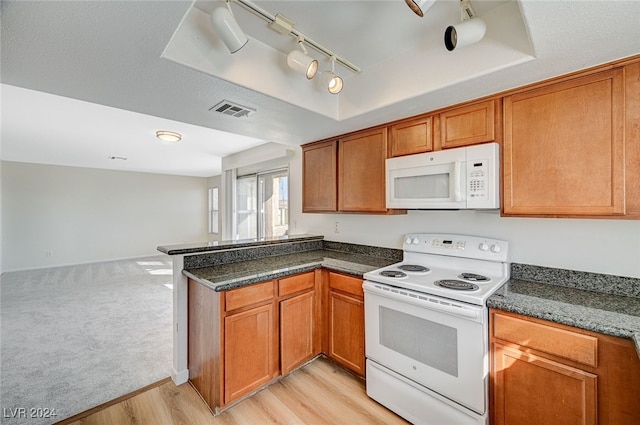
(332, 82)
(420, 6)
(228, 29)
(298, 60)
(464, 33)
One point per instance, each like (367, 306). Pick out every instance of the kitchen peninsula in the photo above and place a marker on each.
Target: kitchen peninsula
(215, 270)
(291, 279)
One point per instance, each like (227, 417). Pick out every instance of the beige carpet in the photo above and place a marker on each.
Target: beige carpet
(74, 337)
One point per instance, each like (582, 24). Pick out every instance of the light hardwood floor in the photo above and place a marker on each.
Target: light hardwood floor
(319, 393)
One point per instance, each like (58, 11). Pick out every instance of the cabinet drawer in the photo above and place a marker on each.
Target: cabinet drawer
(248, 295)
(348, 284)
(549, 339)
(293, 284)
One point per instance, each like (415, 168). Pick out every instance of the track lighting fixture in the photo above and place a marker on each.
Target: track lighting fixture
(469, 31)
(330, 80)
(228, 29)
(285, 26)
(298, 60)
(420, 6)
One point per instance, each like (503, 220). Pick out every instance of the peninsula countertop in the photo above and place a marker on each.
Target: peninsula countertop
(610, 314)
(228, 276)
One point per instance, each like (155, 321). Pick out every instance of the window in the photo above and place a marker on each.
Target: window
(262, 205)
(213, 210)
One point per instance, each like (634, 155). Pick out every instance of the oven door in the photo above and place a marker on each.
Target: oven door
(435, 342)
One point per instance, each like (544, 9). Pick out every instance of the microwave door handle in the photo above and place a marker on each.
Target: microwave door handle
(457, 169)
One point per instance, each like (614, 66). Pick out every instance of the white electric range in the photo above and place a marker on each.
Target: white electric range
(426, 327)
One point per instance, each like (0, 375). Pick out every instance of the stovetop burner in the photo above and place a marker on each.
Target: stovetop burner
(393, 273)
(457, 285)
(473, 277)
(413, 268)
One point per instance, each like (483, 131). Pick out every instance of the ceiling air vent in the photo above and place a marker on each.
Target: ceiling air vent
(233, 109)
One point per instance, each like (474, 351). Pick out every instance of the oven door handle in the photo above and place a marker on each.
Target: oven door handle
(423, 300)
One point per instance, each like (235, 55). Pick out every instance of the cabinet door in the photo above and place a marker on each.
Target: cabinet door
(346, 331)
(530, 390)
(249, 347)
(409, 137)
(319, 177)
(361, 178)
(296, 331)
(564, 148)
(468, 125)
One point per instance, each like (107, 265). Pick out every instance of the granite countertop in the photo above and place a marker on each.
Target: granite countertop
(201, 247)
(228, 276)
(610, 314)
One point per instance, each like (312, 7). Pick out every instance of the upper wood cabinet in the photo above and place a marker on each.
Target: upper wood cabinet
(320, 177)
(470, 124)
(564, 148)
(347, 174)
(413, 136)
(361, 177)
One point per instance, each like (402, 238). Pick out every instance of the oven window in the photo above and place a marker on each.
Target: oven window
(430, 186)
(430, 343)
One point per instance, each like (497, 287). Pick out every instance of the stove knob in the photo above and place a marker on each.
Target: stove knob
(416, 241)
(495, 248)
(408, 240)
(484, 246)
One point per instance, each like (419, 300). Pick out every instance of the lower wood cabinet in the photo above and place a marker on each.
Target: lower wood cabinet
(546, 373)
(242, 339)
(532, 390)
(346, 322)
(298, 321)
(250, 347)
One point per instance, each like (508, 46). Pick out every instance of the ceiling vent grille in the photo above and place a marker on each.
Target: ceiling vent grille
(233, 109)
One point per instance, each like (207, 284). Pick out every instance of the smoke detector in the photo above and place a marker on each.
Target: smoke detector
(233, 109)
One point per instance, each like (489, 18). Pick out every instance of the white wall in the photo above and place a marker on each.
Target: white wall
(53, 215)
(601, 246)
(1, 217)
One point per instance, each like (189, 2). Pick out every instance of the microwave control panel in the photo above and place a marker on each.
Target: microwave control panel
(477, 179)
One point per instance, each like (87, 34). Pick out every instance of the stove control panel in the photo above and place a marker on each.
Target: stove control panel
(458, 246)
(448, 243)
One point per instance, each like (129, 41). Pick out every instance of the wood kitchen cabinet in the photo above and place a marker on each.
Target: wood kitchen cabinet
(546, 373)
(564, 148)
(242, 339)
(346, 322)
(249, 353)
(298, 321)
(471, 124)
(412, 136)
(250, 342)
(320, 177)
(346, 174)
(361, 175)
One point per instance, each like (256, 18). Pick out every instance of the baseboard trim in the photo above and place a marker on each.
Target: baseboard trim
(181, 377)
(110, 403)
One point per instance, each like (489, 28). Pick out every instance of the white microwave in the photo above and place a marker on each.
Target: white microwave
(460, 178)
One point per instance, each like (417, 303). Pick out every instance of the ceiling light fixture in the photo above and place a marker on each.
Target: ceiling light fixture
(285, 26)
(168, 136)
(469, 31)
(420, 6)
(228, 29)
(298, 60)
(330, 80)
